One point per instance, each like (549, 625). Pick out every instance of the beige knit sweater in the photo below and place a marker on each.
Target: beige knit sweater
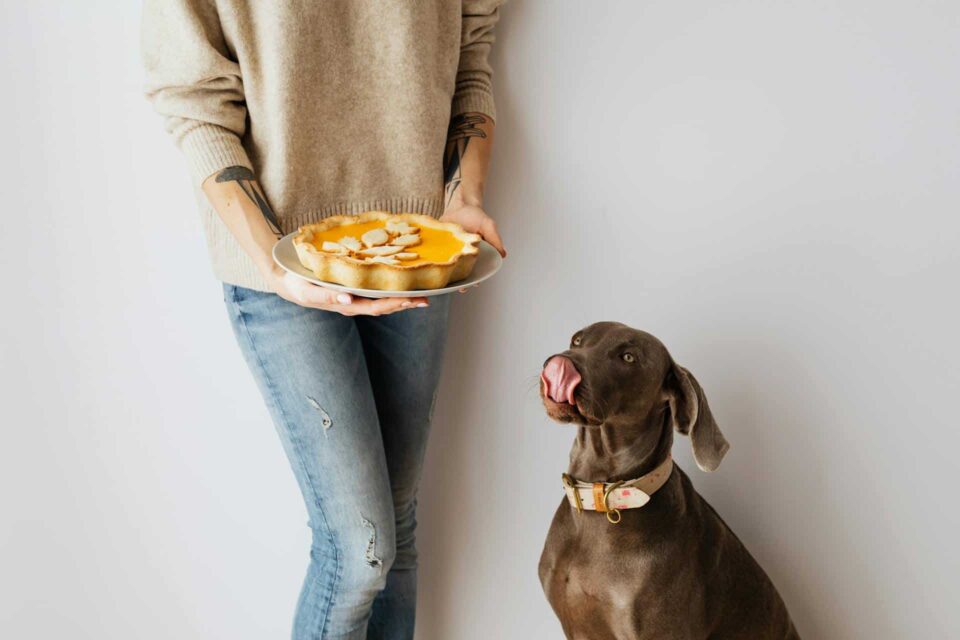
(338, 106)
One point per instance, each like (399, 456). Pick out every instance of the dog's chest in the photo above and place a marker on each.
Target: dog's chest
(591, 589)
(598, 581)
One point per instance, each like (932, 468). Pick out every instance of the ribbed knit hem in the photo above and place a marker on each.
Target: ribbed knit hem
(474, 102)
(428, 206)
(210, 148)
(233, 266)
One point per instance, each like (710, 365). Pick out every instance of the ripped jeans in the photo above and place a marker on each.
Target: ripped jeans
(351, 399)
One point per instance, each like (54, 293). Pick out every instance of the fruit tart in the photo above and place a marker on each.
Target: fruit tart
(387, 252)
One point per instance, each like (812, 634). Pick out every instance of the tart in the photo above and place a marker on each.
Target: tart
(387, 252)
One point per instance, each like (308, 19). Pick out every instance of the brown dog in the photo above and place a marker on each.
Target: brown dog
(670, 568)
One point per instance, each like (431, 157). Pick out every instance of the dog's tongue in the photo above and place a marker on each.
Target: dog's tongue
(560, 379)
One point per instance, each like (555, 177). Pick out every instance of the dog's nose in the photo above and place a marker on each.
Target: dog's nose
(560, 379)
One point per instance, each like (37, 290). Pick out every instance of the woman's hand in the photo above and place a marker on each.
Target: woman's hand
(475, 220)
(306, 294)
(237, 197)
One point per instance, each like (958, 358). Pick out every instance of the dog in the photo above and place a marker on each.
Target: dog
(634, 552)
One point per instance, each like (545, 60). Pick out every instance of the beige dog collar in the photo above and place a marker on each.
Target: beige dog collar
(611, 497)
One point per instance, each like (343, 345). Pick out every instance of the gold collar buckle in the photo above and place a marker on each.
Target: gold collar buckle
(568, 482)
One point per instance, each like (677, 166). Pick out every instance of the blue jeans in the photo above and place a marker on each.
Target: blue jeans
(352, 399)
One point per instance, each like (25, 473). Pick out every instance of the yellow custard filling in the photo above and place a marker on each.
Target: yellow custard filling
(437, 246)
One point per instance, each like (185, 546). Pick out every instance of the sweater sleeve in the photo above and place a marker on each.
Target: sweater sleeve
(474, 87)
(194, 83)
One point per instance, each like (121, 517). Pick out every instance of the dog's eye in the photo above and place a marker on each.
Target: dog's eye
(629, 357)
(577, 339)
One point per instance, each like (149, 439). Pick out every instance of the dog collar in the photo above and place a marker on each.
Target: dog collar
(611, 497)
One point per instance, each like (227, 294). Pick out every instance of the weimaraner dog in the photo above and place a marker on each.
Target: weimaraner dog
(634, 552)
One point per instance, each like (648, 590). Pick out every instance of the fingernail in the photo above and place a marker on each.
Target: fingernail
(421, 305)
(404, 304)
(344, 298)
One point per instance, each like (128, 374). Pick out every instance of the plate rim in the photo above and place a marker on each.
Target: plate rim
(377, 293)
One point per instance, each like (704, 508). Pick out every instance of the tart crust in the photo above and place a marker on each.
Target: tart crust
(360, 274)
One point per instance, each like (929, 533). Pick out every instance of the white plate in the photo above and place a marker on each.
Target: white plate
(488, 263)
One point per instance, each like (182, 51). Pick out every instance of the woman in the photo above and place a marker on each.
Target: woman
(290, 111)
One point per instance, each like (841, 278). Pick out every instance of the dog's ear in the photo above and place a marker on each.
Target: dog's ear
(692, 417)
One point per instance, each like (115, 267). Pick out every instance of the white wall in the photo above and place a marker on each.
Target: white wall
(770, 187)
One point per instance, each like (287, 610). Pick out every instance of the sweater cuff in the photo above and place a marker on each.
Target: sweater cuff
(474, 102)
(210, 149)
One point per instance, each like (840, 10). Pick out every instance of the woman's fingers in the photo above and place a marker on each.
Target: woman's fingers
(317, 296)
(382, 306)
(312, 295)
(488, 229)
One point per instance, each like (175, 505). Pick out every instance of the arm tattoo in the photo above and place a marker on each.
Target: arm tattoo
(462, 128)
(247, 181)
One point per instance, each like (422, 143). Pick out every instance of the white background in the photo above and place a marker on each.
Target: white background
(769, 187)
